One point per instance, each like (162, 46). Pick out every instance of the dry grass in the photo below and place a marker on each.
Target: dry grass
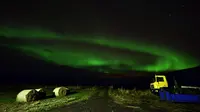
(148, 101)
(132, 96)
(47, 104)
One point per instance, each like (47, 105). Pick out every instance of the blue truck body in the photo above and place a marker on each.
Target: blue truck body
(184, 98)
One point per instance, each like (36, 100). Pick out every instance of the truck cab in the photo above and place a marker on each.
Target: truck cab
(159, 81)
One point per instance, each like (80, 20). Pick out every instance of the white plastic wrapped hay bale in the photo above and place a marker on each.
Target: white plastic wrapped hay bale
(27, 95)
(41, 93)
(60, 91)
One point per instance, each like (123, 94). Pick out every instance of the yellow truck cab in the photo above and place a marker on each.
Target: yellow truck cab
(159, 81)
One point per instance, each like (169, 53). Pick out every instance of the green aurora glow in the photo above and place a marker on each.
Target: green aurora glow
(98, 51)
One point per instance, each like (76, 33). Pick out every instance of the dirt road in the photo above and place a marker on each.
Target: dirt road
(100, 102)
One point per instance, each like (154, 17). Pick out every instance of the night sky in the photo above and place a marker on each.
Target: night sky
(150, 36)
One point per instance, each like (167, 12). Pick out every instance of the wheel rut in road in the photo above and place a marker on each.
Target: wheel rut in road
(99, 102)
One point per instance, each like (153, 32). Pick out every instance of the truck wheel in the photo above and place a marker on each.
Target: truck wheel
(152, 91)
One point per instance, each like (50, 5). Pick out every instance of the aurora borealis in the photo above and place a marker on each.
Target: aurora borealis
(95, 51)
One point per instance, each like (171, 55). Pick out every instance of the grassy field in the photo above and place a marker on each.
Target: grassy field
(148, 102)
(8, 104)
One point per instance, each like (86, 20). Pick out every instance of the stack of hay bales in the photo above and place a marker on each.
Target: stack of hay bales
(60, 91)
(41, 93)
(27, 95)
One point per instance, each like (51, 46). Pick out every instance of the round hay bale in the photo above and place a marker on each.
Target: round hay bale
(27, 95)
(41, 93)
(60, 91)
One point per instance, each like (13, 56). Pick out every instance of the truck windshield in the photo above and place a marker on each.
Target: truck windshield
(160, 79)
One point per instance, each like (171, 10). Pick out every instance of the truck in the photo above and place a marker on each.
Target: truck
(166, 81)
(188, 78)
(180, 86)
